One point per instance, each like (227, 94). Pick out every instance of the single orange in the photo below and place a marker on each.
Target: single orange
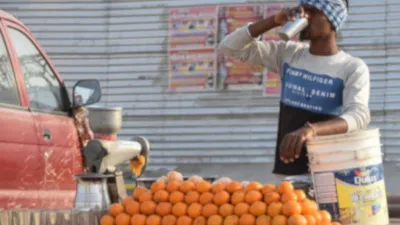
(221, 198)
(176, 197)
(123, 219)
(139, 191)
(215, 220)
(201, 220)
(268, 188)
(157, 186)
(187, 186)
(132, 208)
(238, 197)
(288, 196)
(253, 196)
(291, 208)
(161, 196)
(164, 208)
(272, 197)
(169, 220)
(310, 220)
(107, 220)
(116, 209)
(153, 220)
(173, 186)
(247, 219)
(335, 223)
(184, 220)
(308, 207)
(179, 209)
(263, 220)
(138, 219)
(279, 220)
(241, 209)
(258, 208)
(218, 187)
(192, 197)
(194, 210)
(318, 218)
(146, 196)
(274, 209)
(326, 217)
(297, 220)
(253, 186)
(233, 187)
(206, 198)
(203, 186)
(301, 195)
(148, 208)
(174, 176)
(231, 220)
(126, 201)
(209, 210)
(226, 210)
(285, 187)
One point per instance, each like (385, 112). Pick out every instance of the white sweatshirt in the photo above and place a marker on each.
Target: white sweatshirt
(336, 85)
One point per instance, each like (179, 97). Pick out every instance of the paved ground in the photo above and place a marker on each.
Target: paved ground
(262, 173)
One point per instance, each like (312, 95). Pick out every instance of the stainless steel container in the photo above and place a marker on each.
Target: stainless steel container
(292, 28)
(92, 192)
(104, 120)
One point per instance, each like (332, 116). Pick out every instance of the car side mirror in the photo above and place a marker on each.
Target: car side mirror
(86, 92)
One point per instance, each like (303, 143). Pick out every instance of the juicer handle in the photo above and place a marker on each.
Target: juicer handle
(145, 150)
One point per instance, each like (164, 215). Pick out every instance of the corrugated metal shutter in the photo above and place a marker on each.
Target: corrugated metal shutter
(392, 92)
(124, 43)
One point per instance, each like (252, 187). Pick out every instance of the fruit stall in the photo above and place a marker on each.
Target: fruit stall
(174, 200)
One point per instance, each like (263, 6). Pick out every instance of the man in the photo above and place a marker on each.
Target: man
(325, 91)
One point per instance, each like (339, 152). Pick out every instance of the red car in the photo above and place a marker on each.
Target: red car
(39, 143)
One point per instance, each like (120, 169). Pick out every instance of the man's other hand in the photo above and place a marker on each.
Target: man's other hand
(292, 144)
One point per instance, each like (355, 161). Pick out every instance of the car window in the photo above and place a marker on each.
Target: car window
(44, 89)
(8, 86)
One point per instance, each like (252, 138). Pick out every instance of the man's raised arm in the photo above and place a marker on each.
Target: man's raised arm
(241, 45)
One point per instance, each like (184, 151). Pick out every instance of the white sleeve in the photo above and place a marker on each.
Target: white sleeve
(356, 97)
(241, 46)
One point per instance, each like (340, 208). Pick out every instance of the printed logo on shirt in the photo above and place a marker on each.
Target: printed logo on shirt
(317, 93)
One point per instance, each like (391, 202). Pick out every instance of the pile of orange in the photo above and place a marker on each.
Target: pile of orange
(173, 201)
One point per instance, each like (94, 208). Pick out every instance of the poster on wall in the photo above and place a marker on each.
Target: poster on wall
(234, 74)
(193, 28)
(192, 70)
(273, 80)
(272, 84)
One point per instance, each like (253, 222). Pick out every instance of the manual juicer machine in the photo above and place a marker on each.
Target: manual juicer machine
(103, 182)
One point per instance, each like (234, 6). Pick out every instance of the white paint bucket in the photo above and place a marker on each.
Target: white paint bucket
(347, 174)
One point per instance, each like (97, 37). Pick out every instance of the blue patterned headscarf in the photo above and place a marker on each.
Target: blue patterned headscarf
(335, 10)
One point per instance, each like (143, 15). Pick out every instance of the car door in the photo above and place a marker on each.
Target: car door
(21, 164)
(58, 137)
